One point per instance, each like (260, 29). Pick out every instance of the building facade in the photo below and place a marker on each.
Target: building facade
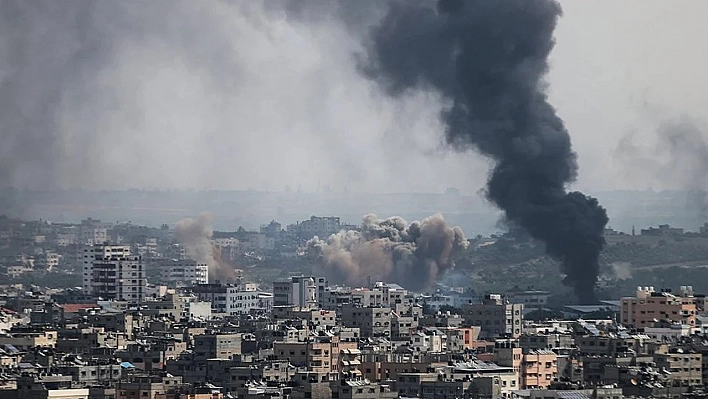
(495, 316)
(649, 307)
(111, 272)
(183, 272)
(371, 321)
(297, 290)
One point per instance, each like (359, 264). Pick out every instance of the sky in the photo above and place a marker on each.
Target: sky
(248, 94)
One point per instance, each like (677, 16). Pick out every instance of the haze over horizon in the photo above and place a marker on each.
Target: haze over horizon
(239, 95)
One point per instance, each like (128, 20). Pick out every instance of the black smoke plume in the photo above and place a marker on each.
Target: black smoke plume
(488, 60)
(413, 255)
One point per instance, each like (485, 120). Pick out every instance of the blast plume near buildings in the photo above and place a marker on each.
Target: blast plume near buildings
(488, 59)
(414, 254)
(264, 95)
(195, 234)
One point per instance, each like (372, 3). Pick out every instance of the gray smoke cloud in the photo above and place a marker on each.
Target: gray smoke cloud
(622, 270)
(195, 235)
(180, 94)
(678, 158)
(489, 59)
(413, 255)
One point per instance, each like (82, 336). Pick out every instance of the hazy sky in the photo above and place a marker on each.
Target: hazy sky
(232, 95)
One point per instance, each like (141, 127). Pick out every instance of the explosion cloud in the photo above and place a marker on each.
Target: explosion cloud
(413, 255)
(488, 60)
(195, 235)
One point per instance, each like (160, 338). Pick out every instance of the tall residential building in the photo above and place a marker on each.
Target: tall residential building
(296, 290)
(496, 317)
(110, 272)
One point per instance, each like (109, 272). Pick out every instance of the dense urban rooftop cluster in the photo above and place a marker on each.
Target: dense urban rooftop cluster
(148, 322)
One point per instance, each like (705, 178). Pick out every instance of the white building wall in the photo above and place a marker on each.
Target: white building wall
(240, 301)
(110, 271)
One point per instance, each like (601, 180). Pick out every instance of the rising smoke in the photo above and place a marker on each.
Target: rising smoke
(195, 235)
(488, 59)
(413, 255)
(679, 157)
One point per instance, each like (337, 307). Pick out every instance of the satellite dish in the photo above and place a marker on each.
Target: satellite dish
(633, 381)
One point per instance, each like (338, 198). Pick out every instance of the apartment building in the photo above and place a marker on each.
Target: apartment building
(507, 353)
(683, 368)
(214, 293)
(495, 316)
(539, 369)
(461, 338)
(321, 226)
(649, 307)
(217, 346)
(296, 290)
(111, 272)
(371, 321)
(320, 355)
(182, 272)
(245, 298)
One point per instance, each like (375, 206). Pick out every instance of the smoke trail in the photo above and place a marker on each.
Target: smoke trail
(195, 235)
(488, 59)
(413, 255)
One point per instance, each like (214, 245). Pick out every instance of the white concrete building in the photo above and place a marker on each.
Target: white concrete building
(257, 242)
(223, 242)
(197, 310)
(182, 272)
(296, 290)
(244, 299)
(322, 226)
(233, 300)
(110, 272)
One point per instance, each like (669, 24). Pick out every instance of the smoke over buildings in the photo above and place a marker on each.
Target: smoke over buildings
(413, 255)
(488, 59)
(195, 235)
(178, 94)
